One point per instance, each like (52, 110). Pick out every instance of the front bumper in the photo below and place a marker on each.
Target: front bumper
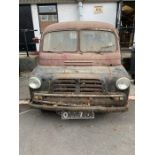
(110, 102)
(94, 108)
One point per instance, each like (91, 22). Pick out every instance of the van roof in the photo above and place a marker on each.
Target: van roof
(79, 25)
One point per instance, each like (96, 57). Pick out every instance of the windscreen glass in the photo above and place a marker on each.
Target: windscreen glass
(60, 41)
(97, 41)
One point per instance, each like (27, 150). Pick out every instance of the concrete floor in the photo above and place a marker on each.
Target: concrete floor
(107, 134)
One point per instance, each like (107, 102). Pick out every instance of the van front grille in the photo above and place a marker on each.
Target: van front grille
(77, 86)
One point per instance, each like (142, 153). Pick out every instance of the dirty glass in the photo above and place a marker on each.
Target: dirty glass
(60, 41)
(97, 41)
(47, 8)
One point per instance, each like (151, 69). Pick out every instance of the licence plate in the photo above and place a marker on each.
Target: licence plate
(77, 115)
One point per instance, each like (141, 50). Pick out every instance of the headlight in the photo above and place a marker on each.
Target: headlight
(34, 82)
(123, 83)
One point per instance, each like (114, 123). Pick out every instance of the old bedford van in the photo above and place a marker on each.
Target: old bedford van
(79, 71)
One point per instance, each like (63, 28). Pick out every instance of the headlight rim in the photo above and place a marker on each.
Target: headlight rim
(37, 79)
(119, 79)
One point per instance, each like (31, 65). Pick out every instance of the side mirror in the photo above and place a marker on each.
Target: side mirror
(35, 40)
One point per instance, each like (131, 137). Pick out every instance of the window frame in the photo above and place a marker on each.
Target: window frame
(47, 13)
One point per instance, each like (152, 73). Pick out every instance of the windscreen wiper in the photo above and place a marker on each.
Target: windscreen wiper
(100, 50)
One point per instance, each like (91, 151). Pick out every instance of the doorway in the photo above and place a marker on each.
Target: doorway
(26, 32)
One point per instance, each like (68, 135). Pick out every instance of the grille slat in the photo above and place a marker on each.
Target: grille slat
(90, 90)
(90, 86)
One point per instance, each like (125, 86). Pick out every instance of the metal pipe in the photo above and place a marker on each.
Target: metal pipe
(119, 14)
(80, 7)
(26, 43)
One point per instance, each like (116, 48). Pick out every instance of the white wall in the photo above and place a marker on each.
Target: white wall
(108, 15)
(69, 12)
(35, 19)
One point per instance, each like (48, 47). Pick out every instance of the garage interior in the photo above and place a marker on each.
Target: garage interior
(126, 31)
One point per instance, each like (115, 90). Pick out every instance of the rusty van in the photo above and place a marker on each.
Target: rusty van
(79, 71)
